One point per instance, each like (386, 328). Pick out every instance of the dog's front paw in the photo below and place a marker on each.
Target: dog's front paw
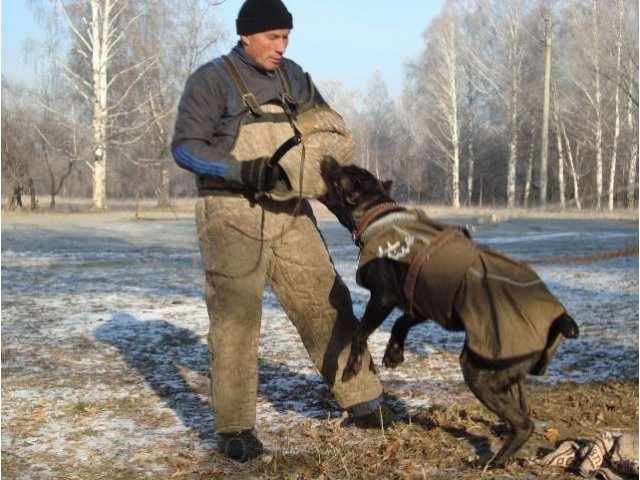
(393, 355)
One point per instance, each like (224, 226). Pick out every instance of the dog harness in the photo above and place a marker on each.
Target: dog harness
(426, 247)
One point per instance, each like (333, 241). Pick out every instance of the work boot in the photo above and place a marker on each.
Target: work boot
(240, 446)
(380, 417)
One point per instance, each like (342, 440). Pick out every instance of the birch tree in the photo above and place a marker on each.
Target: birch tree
(616, 134)
(99, 29)
(559, 146)
(587, 80)
(471, 96)
(437, 88)
(632, 125)
(499, 68)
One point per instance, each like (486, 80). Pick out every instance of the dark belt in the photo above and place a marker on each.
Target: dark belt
(417, 261)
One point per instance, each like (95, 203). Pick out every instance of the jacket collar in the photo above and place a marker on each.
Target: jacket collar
(240, 53)
(371, 215)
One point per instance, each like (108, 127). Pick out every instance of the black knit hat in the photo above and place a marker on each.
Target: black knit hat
(261, 16)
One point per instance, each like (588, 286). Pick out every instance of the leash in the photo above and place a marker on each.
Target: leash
(622, 252)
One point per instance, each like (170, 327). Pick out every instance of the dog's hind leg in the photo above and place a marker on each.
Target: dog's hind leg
(518, 421)
(518, 392)
(394, 353)
(495, 388)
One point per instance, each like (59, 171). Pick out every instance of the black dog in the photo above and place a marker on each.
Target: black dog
(513, 324)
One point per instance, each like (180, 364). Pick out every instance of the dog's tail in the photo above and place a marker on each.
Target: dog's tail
(565, 325)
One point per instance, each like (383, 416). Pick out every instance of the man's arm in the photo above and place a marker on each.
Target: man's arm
(201, 107)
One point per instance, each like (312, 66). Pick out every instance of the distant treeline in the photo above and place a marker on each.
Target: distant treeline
(468, 129)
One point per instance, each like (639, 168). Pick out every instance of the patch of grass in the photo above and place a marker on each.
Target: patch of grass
(80, 407)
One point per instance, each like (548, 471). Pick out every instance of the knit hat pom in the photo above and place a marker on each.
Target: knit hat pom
(261, 16)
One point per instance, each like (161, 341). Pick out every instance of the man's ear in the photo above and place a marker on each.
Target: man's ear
(387, 186)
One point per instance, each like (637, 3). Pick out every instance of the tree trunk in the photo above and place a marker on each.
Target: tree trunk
(471, 130)
(616, 130)
(99, 180)
(561, 192)
(544, 149)
(513, 124)
(16, 196)
(33, 204)
(556, 116)
(598, 95)
(455, 130)
(100, 37)
(529, 178)
(163, 198)
(513, 152)
(572, 168)
(633, 156)
(408, 178)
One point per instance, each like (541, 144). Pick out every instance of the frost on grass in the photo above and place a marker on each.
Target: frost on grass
(104, 356)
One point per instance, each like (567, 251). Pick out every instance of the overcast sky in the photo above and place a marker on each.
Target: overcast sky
(346, 40)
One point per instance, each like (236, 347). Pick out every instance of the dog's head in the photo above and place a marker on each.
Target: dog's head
(351, 191)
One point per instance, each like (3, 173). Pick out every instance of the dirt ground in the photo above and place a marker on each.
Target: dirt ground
(443, 441)
(104, 361)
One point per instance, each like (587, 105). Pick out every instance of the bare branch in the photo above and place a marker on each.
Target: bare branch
(72, 27)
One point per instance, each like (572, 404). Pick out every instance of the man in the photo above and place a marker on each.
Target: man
(229, 114)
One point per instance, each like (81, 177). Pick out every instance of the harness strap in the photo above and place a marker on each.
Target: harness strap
(418, 260)
(372, 214)
(248, 98)
(287, 98)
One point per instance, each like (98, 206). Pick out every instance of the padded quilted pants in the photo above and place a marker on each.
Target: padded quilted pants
(243, 248)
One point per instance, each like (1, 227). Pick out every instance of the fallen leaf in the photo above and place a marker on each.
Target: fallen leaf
(552, 434)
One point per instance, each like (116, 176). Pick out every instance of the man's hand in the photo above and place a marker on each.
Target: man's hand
(259, 175)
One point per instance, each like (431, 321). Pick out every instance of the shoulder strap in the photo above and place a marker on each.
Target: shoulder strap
(287, 99)
(247, 97)
(284, 82)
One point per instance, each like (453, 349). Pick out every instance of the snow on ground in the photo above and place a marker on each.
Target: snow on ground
(104, 355)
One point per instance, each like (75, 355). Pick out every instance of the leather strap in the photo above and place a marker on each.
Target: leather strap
(248, 98)
(418, 260)
(287, 98)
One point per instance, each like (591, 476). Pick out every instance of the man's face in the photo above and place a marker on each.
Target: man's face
(267, 48)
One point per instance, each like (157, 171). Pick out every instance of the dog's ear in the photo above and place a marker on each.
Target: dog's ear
(387, 186)
(328, 165)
